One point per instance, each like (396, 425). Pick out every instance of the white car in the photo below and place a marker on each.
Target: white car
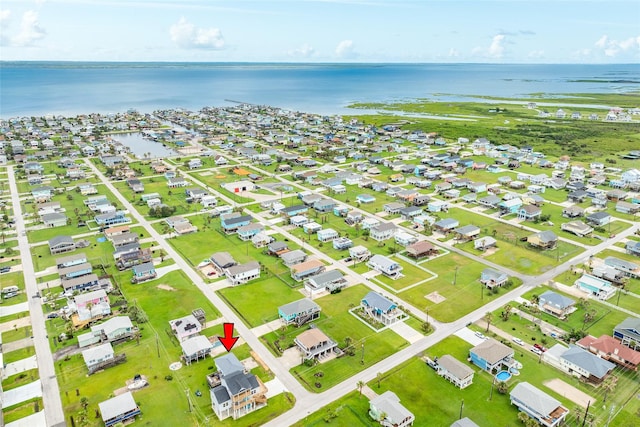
(518, 341)
(536, 350)
(480, 335)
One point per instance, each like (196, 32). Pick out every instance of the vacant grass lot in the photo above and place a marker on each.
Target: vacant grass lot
(338, 325)
(466, 295)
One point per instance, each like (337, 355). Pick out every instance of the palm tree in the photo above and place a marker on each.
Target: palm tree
(523, 417)
(609, 385)
(360, 385)
(488, 316)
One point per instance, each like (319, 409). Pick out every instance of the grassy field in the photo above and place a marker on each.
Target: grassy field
(338, 324)
(466, 295)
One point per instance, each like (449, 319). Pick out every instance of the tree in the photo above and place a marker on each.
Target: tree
(488, 316)
(506, 313)
(502, 388)
(360, 385)
(162, 254)
(523, 417)
(588, 317)
(535, 299)
(609, 385)
(426, 327)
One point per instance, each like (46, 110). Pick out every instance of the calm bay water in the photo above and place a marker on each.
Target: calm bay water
(69, 88)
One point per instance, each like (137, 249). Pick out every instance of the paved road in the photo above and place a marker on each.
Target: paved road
(50, 389)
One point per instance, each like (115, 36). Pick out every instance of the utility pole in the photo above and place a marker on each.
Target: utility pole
(586, 412)
(461, 406)
(455, 276)
(362, 357)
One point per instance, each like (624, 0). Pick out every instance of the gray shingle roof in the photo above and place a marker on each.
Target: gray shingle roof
(534, 398)
(589, 362)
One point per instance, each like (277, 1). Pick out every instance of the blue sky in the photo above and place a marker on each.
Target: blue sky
(515, 31)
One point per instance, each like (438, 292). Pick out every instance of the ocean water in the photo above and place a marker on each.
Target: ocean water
(69, 88)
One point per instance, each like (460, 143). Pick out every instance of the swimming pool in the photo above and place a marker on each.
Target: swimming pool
(503, 376)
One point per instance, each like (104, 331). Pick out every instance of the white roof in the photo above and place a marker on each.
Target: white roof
(117, 405)
(195, 344)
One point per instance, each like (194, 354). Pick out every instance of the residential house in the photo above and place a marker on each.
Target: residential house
(385, 266)
(446, 225)
(109, 219)
(628, 332)
(71, 260)
(543, 239)
(464, 422)
(80, 283)
(510, 206)
(381, 309)
(543, 408)
(75, 271)
(54, 220)
(628, 268)
(585, 365)
(247, 232)
(393, 207)
(299, 312)
(177, 182)
(314, 344)
(598, 219)
(437, 206)
(382, 231)
(493, 278)
(455, 371)
(124, 239)
(492, 356)
(327, 235)
(627, 208)
(293, 257)
(600, 288)
(342, 243)
(61, 244)
(610, 349)
(329, 281)
(359, 253)
(387, 410)
(633, 247)
(230, 223)
(91, 305)
(195, 348)
(221, 261)
(366, 198)
(118, 409)
(529, 212)
(185, 327)
(467, 232)
(309, 227)
(556, 304)
(261, 239)
(484, 243)
(410, 212)
(421, 249)
(113, 330)
(96, 358)
(578, 228)
(142, 272)
(573, 211)
(490, 201)
(306, 269)
(243, 273)
(235, 391)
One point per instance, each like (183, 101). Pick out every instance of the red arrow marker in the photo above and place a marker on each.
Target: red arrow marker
(228, 341)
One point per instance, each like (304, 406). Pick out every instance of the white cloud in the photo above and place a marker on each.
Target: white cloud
(496, 50)
(345, 49)
(188, 36)
(305, 51)
(612, 48)
(453, 53)
(29, 31)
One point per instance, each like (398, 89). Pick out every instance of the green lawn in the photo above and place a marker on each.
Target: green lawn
(257, 302)
(16, 355)
(352, 410)
(20, 379)
(339, 324)
(16, 334)
(466, 295)
(22, 410)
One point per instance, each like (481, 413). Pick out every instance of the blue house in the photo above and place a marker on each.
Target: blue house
(142, 272)
(112, 218)
(381, 309)
(340, 211)
(75, 271)
(510, 206)
(231, 224)
(492, 356)
(295, 210)
(246, 232)
(633, 248)
(365, 198)
(467, 163)
(299, 312)
(324, 205)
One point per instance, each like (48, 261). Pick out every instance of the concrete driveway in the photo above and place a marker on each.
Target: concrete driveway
(20, 366)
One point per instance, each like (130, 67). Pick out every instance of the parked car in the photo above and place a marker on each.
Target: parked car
(539, 347)
(5, 269)
(480, 335)
(518, 341)
(536, 350)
